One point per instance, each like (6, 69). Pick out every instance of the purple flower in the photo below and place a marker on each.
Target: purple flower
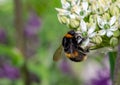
(34, 20)
(103, 78)
(33, 25)
(65, 67)
(32, 46)
(31, 31)
(97, 73)
(3, 37)
(2, 74)
(8, 71)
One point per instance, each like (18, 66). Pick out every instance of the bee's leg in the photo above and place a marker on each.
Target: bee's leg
(87, 50)
(83, 39)
(80, 49)
(79, 40)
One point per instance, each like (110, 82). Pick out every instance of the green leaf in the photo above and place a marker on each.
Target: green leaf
(16, 57)
(112, 58)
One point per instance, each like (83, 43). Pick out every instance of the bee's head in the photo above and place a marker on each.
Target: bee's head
(71, 32)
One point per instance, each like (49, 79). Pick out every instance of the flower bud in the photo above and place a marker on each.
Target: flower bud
(63, 19)
(101, 10)
(106, 16)
(94, 6)
(103, 6)
(113, 41)
(93, 18)
(119, 21)
(114, 10)
(116, 33)
(74, 23)
(97, 39)
(118, 3)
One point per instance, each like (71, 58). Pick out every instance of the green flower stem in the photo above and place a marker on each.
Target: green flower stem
(116, 76)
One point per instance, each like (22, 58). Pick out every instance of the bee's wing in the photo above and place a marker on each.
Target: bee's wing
(58, 53)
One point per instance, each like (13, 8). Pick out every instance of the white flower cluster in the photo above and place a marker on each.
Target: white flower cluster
(97, 20)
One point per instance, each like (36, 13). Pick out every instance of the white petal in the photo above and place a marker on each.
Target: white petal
(83, 26)
(77, 9)
(109, 33)
(75, 2)
(119, 20)
(85, 43)
(85, 6)
(113, 28)
(72, 16)
(101, 32)
(112, 20)
(59, 10)
(62, 11)
(65, 4)
(78, 2)
(100, 22)
(92, 35)
(91, 30)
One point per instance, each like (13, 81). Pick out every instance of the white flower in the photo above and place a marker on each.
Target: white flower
(81, 9)
(68, 10)
(87, 32)
(74, 9)
(107, 27)
(65, 4)
(100, 6)
(84, 9)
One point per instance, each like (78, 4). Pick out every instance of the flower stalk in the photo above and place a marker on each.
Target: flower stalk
(116, 77)
(20, 37)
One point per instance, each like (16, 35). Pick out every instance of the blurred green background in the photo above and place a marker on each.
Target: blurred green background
(43, 34)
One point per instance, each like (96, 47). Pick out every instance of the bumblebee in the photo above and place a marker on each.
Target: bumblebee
(71, 44)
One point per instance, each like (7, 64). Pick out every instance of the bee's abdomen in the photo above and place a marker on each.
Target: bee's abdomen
(79, 58)
(72, 55)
